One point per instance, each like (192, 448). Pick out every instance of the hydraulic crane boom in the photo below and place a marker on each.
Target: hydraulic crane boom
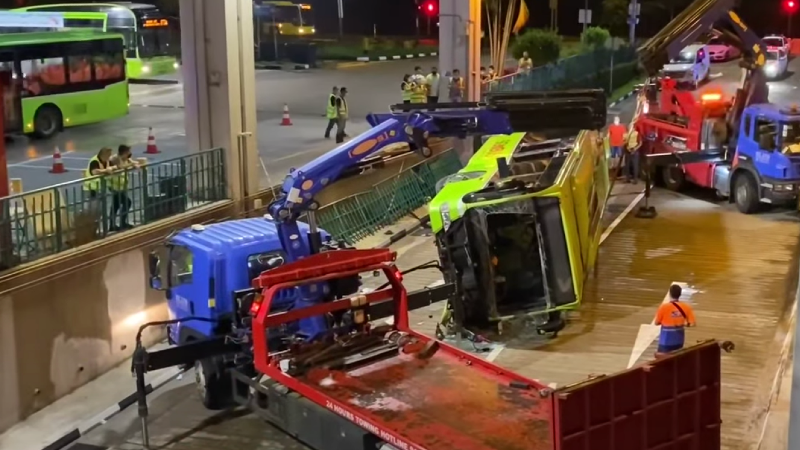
(697, 20)
(502, 113)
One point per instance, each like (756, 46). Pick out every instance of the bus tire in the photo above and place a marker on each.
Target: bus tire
(47, 122)
(673, 177)
(214, 389)
(745, 193)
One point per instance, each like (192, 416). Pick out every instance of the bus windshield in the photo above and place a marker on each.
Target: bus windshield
(289, 14)
(155, 41)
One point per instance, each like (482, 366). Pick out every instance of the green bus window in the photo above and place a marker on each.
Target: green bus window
(109, 67)
(80, 69)
(42, 76)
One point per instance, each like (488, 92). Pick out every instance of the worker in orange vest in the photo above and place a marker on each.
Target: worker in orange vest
(673, 317)
(616, 140)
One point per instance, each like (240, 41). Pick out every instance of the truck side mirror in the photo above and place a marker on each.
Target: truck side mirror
(154, 263)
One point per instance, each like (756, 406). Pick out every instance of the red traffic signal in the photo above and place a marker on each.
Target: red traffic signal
(790, 6)
(430, 8)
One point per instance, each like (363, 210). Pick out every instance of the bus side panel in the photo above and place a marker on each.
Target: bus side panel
(83, 107)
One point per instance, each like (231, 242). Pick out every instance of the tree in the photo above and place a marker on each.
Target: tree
(543, 46)
(615, 17)
(500, 19)
(595, 37)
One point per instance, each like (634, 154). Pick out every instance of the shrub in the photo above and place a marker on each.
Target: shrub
(595, 37)
(543, 46)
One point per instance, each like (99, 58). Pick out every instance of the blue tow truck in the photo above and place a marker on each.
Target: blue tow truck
(206, 271)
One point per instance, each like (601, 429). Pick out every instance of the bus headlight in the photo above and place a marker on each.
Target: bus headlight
(145, 69)
(175, 65)
(300, 30)
(445, 213)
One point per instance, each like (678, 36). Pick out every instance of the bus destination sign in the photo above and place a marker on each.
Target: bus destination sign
(150, 23)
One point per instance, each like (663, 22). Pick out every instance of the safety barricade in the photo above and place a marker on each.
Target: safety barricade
(356, 217)
(47, 221)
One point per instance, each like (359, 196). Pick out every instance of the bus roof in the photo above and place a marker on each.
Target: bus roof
(12, 39)
(286, 3)
(126, 5)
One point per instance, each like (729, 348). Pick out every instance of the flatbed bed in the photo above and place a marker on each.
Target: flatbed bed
(750, 291)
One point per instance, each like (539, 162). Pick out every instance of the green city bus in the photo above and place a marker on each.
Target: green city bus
(52, 81)
(151, 37)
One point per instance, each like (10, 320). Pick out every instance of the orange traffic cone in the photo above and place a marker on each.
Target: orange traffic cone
(58, 164)
(152, 149)
(286, 121)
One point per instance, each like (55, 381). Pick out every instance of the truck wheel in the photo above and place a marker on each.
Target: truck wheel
(673, 177)
(214, 389)
(46, 122)
(745, 193)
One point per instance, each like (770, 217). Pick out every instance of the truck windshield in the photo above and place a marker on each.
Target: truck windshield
(791, 132)
(684, 58)
(460, 176)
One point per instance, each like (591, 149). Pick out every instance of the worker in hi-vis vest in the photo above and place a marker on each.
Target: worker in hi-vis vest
(118, 184)
(100, 164)
(419, 93)
(331, 112)
(406, 88)
(341, 110)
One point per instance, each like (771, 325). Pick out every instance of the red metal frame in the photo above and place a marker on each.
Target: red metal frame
(668, 404)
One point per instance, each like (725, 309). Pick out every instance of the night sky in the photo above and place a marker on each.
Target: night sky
(396, 17)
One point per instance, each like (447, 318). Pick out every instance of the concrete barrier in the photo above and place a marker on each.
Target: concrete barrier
(69, 318)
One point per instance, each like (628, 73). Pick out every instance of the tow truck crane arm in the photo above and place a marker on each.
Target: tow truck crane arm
(502, 113)
(697, 20)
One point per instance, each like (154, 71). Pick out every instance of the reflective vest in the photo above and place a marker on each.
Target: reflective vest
(330, 110)
(419, 94)
(119, 182)
(343, 108)
(407, 87)
(94, 183)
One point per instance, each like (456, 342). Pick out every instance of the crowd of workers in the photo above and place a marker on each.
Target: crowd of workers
(625, 150)
(116, 166)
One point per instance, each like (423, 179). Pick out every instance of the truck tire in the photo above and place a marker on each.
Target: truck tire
(214, 389)
(47, 122)
(745, 193)
(673, 177)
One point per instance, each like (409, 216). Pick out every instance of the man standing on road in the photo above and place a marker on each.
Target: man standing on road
(673, 317)
(341, 117)
(330, 111)
(616, 140)
(100, 164)
(456, 87)
(432, 83)
(118, 184)
(633, 144)
(418, 77)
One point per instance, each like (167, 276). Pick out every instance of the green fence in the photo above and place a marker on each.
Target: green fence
(354, 218)
(50, 220)
(602, 69)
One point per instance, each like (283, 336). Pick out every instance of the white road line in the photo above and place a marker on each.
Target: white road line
(32, 166)
(496, 351)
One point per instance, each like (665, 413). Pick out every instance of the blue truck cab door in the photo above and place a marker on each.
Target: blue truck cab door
(190, 292)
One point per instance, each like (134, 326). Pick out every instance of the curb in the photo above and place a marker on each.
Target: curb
(270, 66)
(395, 57)
(416, 225)
(622, 99)
(111, 411)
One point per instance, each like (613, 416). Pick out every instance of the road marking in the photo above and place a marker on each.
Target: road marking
(495, 353)
(30, 166)
(648, 332)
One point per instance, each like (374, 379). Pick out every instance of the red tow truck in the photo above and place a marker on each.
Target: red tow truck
(369, 386)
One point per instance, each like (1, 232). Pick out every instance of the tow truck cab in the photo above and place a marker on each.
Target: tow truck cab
(205, 267)
(766, 167)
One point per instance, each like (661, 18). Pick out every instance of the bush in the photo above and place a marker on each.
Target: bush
(543, 46)
(595, 37)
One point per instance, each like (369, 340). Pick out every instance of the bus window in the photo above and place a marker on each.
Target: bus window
(84, 23)
(155, 38)
(80, 69)
(42, 76)
(109, 67)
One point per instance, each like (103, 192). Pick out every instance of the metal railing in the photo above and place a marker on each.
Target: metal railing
(50, 220)
(601, 69)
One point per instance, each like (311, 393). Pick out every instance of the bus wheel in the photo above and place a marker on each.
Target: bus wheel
(673, 177)
(213, 388)
(745, 193)
(47, 122)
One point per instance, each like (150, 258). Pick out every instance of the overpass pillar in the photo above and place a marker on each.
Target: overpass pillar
(460, 41)
(219, 86)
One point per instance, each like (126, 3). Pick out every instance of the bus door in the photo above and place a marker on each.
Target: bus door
(12, 103)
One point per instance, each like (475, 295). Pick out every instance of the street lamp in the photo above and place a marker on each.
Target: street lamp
(790, 6)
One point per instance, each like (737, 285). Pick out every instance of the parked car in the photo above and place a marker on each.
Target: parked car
(777, 63)
(776, 42)
(691, 66)
(721, 51)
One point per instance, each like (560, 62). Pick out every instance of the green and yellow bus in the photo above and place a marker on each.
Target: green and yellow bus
(283, 18)
(52, 81)
(152, 42)
(522, 235)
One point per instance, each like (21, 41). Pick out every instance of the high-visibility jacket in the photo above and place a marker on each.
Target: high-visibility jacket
(407, 90)
(330, 110)
(94, 183)
(419, 94)
(119, 181)
(342, 107)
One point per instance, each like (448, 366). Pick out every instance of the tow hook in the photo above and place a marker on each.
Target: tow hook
(727, 346)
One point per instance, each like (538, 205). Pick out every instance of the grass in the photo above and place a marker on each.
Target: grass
(621, 91)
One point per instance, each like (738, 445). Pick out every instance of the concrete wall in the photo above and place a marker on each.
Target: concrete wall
(67, 319)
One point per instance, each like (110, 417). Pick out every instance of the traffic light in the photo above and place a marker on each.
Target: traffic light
(431, 9)
(790, 6)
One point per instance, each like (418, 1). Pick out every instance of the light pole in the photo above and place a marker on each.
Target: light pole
(341, 17)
